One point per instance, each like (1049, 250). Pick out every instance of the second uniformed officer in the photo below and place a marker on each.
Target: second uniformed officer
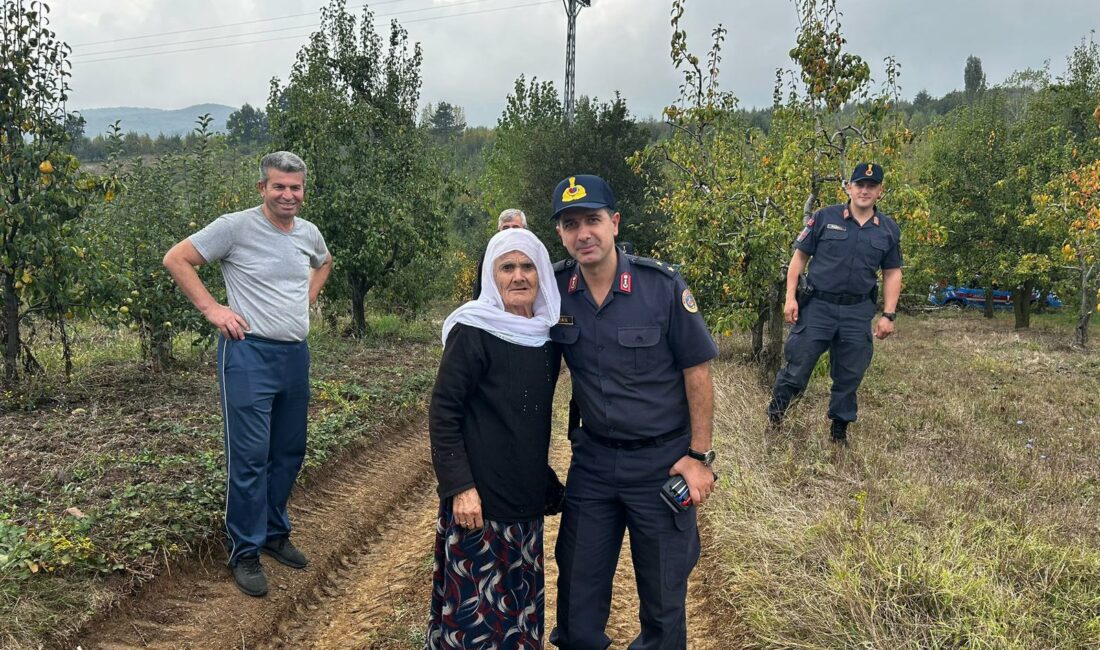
(849, 244)
(639, 354)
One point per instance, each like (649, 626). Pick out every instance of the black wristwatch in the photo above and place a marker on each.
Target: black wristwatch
(890, 316)
(704, 457)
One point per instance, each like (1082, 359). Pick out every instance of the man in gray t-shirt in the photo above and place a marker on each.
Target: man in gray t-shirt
(274, 265)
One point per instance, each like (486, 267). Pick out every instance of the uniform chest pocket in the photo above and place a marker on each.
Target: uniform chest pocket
(567, 336)
(874, 249)
(832, 235)
(564, 334)
(638, 346)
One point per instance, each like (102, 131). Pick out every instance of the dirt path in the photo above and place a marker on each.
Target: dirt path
(381, 601)
(368, 584)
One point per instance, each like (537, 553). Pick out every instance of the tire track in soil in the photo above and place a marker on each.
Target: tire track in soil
(368, 525)
(379, 601)
(200, 608)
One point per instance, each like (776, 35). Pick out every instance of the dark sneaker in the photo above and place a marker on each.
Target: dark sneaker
(285, 552)
(775, 420)
(249, 576)
(839, 432)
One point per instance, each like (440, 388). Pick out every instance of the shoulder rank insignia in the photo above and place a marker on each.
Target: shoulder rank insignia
(688, 301)
(624, 282)
(804, 234)
(573, 283)
(561, 265)
(875, 219)
(655, 264)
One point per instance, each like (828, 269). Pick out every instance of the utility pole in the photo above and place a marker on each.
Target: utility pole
(572, 8)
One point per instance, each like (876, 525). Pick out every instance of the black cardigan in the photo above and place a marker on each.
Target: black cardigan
(489, 422)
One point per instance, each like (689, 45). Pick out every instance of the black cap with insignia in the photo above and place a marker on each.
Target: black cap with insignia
(868, 172)
(582, 191)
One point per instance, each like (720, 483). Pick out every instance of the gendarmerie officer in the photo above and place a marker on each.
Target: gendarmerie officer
(849, 244)
(639, 352)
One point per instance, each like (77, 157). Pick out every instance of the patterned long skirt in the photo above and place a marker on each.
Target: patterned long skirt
(487, 587)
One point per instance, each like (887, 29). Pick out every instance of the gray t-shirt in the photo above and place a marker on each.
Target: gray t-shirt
(266, 270)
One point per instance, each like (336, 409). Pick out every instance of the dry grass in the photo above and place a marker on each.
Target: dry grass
(965, 513)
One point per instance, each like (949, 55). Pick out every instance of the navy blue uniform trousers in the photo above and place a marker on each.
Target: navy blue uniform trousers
(609, 491)
(844, 330)
(264, 395)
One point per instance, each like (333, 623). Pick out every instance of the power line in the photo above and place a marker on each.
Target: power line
(200, 29)
(283, 38)
(196, 40)
(258, 33)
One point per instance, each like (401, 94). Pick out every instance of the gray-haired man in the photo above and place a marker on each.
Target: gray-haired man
(274, 265)
(509, 218)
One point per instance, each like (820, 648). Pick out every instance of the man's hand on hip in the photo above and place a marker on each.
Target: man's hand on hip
(699, 477)
(231, 324)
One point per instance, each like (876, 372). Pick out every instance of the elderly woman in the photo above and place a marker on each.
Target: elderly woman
(490, 431)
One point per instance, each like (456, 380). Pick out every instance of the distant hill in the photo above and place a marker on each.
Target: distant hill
(153, 121)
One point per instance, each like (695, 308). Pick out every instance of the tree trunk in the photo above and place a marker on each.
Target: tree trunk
(11, 330)
(1021, 304)
(160, 349)
(989, 301)
(66, 348)
(1085, 305)
(358, 315)
(757, 332)
(773, 350)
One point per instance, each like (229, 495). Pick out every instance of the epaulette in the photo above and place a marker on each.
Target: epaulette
(670, 269)
(563, 265)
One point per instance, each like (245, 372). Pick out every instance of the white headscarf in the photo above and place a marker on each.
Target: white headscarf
(487, 312)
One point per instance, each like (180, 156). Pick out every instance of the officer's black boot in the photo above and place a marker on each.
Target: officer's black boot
(839, 431)
(775, 416)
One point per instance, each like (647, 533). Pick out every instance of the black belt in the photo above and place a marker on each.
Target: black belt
(841, 298)
(637, 443)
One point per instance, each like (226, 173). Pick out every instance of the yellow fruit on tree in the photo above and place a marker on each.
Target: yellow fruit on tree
(46, 167)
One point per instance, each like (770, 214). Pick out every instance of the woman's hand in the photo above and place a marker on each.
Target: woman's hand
(467, 509)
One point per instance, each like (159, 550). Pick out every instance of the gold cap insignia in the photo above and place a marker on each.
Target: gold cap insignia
(574, 192)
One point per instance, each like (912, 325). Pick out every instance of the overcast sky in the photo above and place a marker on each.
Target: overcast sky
(475, 49)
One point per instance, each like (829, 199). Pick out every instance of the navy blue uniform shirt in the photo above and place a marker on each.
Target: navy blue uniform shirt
(847, 257)
(627, 357)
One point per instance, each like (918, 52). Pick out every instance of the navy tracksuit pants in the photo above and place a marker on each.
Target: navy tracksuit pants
(264, 394)
(609, 491)
(844, 330)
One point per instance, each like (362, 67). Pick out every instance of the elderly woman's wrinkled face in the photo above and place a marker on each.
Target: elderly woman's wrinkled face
(518, 282)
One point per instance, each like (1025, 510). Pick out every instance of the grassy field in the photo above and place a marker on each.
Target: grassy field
(110, 478)
(965, 514)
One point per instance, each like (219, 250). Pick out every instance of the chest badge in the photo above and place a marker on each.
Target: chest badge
(573, 283)
(565, 320)
(688, 301)
(833, 226)
(624, 282)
